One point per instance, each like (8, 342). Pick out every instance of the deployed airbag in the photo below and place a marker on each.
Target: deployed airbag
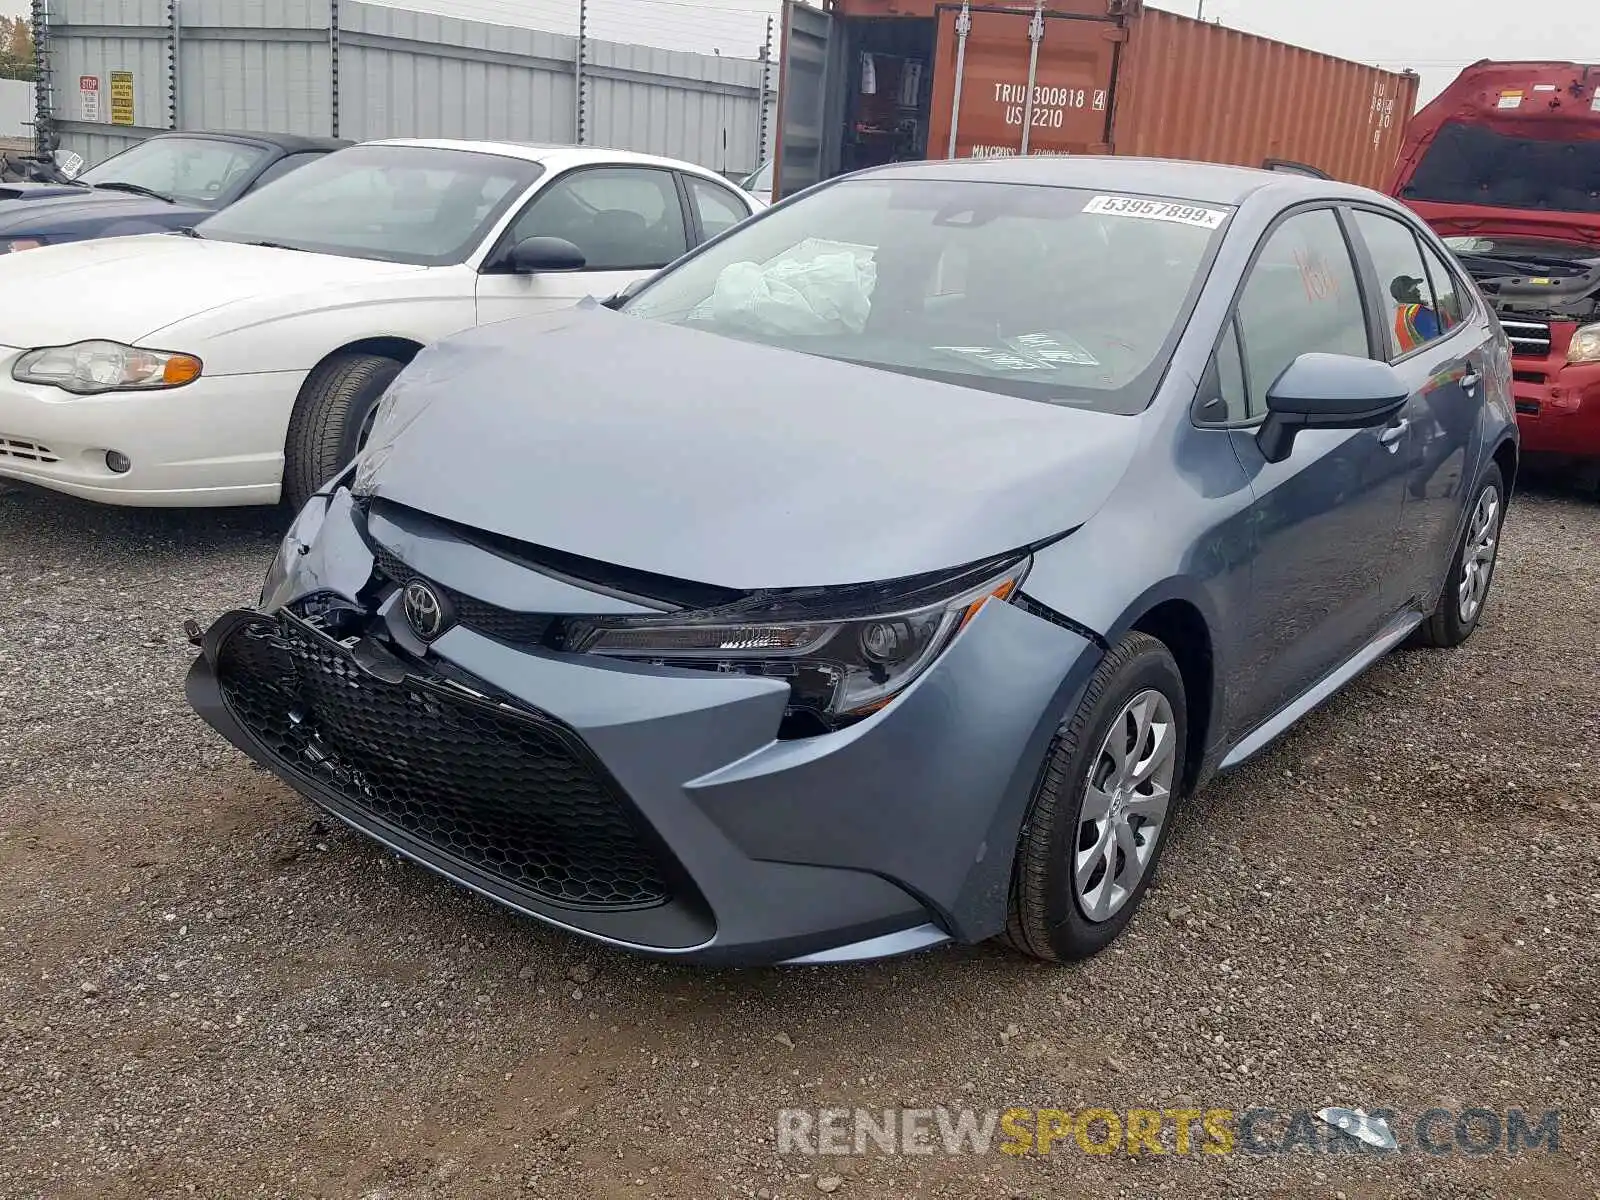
(817, 287)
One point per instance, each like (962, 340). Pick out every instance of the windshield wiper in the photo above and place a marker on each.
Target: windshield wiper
(1527, 264)
(190, 231)
(278, 246)
(137, 189)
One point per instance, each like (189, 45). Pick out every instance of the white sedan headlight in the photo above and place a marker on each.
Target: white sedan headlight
(88, 368)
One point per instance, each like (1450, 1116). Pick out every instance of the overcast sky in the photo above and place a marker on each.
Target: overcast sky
(1437, 37)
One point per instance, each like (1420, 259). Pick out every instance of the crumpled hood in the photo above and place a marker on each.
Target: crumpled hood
(125, 289)
(686, 454)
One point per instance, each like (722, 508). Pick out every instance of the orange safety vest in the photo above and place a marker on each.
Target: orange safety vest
(1413, 325)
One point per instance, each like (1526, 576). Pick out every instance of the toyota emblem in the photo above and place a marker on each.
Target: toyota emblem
(425, 610)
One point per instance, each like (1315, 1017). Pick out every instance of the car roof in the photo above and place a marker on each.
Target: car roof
(1209, 183)
(289, 143)
(554, 156)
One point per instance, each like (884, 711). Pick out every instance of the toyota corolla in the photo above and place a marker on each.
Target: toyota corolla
(887, 571)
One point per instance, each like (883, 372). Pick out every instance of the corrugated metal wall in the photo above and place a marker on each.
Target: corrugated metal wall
(107, 36)
(691, 106)
(410, 74)
(262, 64)
(1190, 89)
(268, 65)
(16, 108)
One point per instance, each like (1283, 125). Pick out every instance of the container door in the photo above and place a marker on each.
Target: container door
(982, 104)
(806, 147)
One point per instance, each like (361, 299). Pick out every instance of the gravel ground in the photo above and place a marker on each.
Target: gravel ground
(207, 991)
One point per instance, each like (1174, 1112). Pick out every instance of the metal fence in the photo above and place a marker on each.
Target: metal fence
(120, 70)
(16, 108)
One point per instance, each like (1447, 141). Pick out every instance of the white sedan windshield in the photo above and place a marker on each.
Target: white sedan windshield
(1052, 293)
(404, 204)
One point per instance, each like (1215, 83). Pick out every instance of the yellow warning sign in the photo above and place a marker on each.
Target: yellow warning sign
(122, 97)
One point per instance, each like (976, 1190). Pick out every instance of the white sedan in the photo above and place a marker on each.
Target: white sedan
(244, 361)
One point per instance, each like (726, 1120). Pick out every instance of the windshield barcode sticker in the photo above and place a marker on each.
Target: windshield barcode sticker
(1157, 210)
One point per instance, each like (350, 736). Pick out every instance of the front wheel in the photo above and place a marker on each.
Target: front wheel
(1466, 588)
(1102, 807)
(331, 421)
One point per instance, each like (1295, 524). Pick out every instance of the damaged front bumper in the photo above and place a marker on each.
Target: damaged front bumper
(653, 808)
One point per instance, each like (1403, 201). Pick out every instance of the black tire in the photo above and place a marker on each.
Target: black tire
(1046, 918)
(330, 419)
(1446, 627)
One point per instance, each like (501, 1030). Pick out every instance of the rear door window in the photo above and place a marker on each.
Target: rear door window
(761, 181)
(1412, 313)
(1449, 301)
(718, 208)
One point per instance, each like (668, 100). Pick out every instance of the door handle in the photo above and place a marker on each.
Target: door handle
(1391, 436)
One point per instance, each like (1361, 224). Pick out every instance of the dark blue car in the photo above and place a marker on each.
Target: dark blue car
(1053, 486)
(166, 182)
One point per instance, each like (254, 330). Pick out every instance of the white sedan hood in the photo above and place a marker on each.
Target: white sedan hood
(125, 289)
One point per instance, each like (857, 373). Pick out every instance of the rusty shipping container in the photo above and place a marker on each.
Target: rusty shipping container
(865, 82)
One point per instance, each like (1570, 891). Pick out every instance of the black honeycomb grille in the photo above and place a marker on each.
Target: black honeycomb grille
(502, 624)
(503, 793)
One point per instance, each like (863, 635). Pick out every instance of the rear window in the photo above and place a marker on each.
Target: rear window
(1473, 164)
(1059, 295)
(761, 181)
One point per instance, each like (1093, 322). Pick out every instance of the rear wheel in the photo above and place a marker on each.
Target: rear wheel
(331, 420)
(1101, 810)
(1466, 588)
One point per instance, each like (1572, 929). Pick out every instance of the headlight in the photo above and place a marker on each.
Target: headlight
(1585, 346)
(87, 368)
(15, 245)
(839, 665)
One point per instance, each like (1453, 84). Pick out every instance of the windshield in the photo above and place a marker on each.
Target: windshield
(1050, 293)
(401, 204)
(1473, 164)
(198, 171)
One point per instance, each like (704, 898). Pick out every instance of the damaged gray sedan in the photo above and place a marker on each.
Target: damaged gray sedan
(885, 572)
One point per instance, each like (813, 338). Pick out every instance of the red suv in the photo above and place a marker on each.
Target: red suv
(1505, 165)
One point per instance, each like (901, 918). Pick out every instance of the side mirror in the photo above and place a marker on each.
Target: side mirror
(537, 255)
(1328, 391)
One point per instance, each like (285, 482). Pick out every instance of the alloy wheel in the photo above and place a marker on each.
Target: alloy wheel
(1478, 555)
(1125, 805)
